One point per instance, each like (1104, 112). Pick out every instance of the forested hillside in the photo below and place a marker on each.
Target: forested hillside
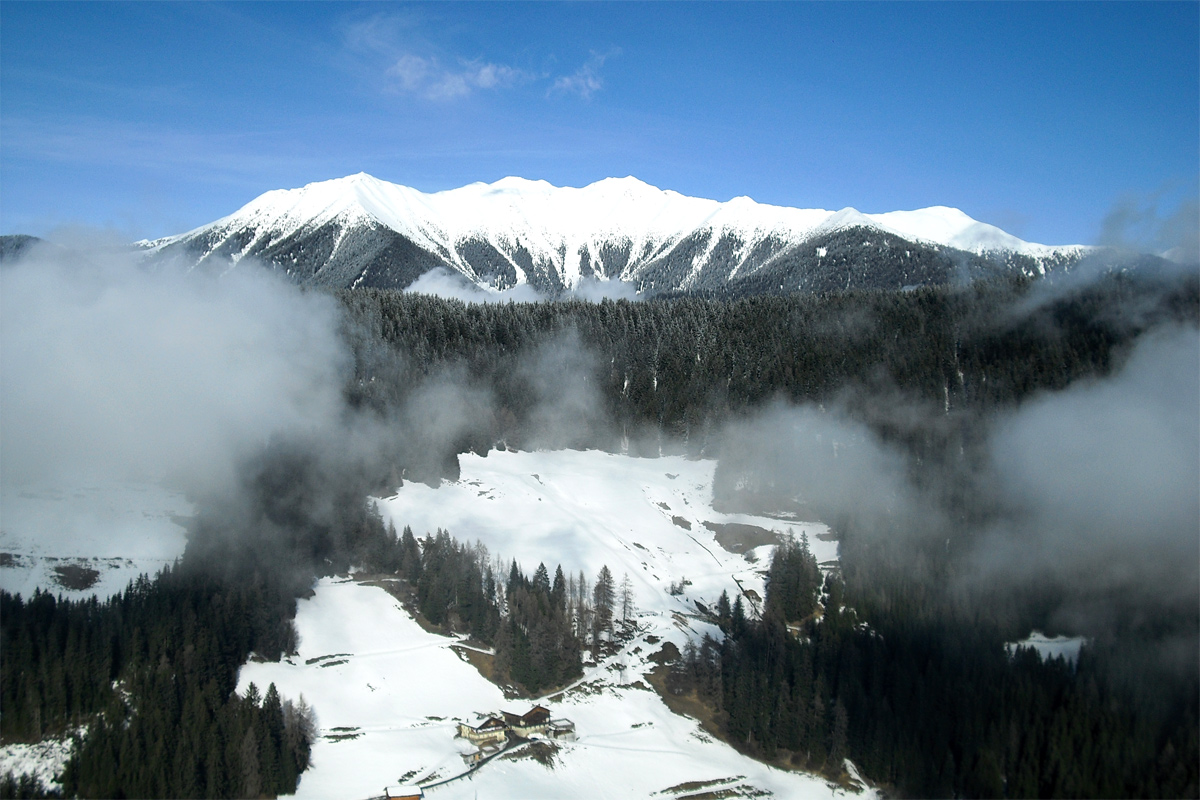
(934, 705)
(678, 368)
(912, 681)
(900, 667)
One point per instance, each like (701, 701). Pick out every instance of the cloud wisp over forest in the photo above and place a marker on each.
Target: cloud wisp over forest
(113, 369)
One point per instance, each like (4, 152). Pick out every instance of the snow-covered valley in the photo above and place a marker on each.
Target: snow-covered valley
(389, 695)
(645, 517)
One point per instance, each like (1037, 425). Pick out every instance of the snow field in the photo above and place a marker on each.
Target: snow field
(388, 695)
(585, 509)
(120, 530)
(377, 679)
(1050, 647)
(555, 223)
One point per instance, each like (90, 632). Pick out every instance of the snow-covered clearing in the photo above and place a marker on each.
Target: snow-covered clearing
(585, 509)
(388, 694)
(85, 540)
(44, 760)
(1051, 647)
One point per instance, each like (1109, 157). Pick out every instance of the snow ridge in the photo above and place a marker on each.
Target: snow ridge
(534, 232)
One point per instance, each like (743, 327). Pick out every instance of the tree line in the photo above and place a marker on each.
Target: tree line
(679, 367)
(149, 675)
(931, 704)
(539, 627)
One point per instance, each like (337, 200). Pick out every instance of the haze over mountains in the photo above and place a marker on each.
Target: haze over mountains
(362, 231)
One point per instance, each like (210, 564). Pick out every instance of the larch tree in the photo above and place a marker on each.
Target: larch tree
(626, 594)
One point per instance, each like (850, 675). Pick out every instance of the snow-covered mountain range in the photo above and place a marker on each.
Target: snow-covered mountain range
(362, 231)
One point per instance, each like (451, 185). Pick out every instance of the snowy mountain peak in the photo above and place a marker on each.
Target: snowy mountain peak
(360, 230)
(518, 185)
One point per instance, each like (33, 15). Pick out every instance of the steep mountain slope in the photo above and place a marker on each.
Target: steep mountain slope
(363, 231)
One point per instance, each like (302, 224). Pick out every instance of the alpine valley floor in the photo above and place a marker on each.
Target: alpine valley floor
(389, 695)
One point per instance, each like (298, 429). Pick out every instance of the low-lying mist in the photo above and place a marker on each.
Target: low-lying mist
(246, 392)
(441, 282)
(1077, 511)
(236, 387)
(111, 370)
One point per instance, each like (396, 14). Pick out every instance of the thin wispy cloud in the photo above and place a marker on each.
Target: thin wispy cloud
(1159, 222)
(586, 80)
(427, 77)
(395, 51)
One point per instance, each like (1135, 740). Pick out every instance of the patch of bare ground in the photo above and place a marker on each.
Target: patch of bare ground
(341, 734)
(739, 538)
(585, 689)
(691, 786)
(852, 784)
(539, 750)
(720, 794)
(324, 661)
(797, 628)
(75, 576)
(716, 789)
(483, 662)
(688, 705)
(665, 655)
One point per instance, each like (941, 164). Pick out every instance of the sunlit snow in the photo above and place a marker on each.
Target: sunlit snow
(388, 697)
(389, 694)
(585, 509)
(43, 760)
(556, 224)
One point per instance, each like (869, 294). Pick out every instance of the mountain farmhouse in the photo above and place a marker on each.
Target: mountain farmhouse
(491, 735)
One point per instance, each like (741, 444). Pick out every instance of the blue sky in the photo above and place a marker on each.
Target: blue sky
(1051, 120)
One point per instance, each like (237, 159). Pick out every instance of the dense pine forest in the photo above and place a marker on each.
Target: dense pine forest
(678, 367)
(149, 675)
(538, 627)
(890, 661)
(887, 690)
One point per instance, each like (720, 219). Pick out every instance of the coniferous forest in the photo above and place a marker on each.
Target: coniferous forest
(886, 690)
(894, 660)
